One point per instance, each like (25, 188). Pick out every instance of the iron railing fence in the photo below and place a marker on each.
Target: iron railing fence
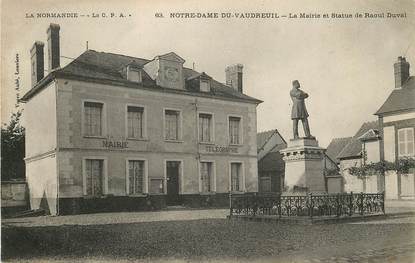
(311, 205)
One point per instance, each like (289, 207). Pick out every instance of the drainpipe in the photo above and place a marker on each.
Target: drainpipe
(325, 173)
(57, 148)
(197, 144)
(363, 164)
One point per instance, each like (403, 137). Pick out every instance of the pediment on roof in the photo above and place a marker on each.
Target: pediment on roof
(202, 75)
(371, 134)
(172, 57)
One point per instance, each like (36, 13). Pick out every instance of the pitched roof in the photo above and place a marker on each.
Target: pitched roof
(269, 157)
(336, 146)
(268, 143)
(263, 137)
(105, 67)
(354, 146)
(400, 99)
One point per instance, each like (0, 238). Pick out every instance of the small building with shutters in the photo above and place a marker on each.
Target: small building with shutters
(111, 132)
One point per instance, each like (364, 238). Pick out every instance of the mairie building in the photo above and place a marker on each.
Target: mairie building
(110, 132)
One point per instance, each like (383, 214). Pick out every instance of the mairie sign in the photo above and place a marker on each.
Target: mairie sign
(111, 144)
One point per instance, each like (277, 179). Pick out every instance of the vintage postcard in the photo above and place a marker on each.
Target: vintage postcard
(218, 131)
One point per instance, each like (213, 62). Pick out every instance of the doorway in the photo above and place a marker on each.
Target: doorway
(172, 175)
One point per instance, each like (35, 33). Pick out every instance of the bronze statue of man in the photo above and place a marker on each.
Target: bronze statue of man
(299, 111)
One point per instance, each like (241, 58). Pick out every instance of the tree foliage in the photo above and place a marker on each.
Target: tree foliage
(13, 149)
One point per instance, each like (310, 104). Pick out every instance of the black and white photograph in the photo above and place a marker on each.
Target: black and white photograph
(218, 131)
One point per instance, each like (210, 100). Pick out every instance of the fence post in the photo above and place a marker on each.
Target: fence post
(338, 205)
(230, 205)
(279, 205)
(383, 202)
(351, 204)
(311, 206)
(246, 203)
(361, 203)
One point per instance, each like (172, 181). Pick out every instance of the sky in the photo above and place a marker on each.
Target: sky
(345, 65)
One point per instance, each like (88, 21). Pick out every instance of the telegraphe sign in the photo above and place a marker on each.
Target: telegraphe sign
(221, 149)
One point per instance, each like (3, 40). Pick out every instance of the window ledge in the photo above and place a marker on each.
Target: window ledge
(406, 156)
(138, 139)
(150, 194)
(237, 192)
(236, 145)
(137, 195)
(95, 197)
(207, 193)
(94, 137)
(207, 143)
(173, 141)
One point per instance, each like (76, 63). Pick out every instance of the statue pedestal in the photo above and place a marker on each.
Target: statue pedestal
(304, 166)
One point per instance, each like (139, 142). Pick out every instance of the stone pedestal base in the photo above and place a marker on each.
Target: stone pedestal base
(304, 171)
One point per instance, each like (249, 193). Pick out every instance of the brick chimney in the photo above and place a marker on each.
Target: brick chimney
(53, 46)
(234, 76)
(37, 62)
(401, 70)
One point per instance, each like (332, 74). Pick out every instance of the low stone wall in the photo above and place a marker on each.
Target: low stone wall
(80, 205)
(334, 184)
(218, 200)
(14, 197)
(71, 206)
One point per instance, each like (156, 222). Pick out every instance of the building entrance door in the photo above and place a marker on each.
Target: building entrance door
(172, 170)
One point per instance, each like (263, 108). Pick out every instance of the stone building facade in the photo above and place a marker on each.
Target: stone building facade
(109, 132)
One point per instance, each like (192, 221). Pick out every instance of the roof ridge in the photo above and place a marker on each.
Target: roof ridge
(117, 54)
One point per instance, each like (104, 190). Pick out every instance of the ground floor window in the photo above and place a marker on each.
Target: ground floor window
(236, 170)
(206, 176)
(135, 176)
(94, 177)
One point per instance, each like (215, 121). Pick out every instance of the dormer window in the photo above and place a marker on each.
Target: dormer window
(134, 74)
(167, 71)
(199, 82)
(204, 85)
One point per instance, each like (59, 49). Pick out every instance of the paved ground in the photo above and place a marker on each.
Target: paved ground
(391, 207)
(398, 206)
(116, 218)
(205, 235)
(166, 237)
